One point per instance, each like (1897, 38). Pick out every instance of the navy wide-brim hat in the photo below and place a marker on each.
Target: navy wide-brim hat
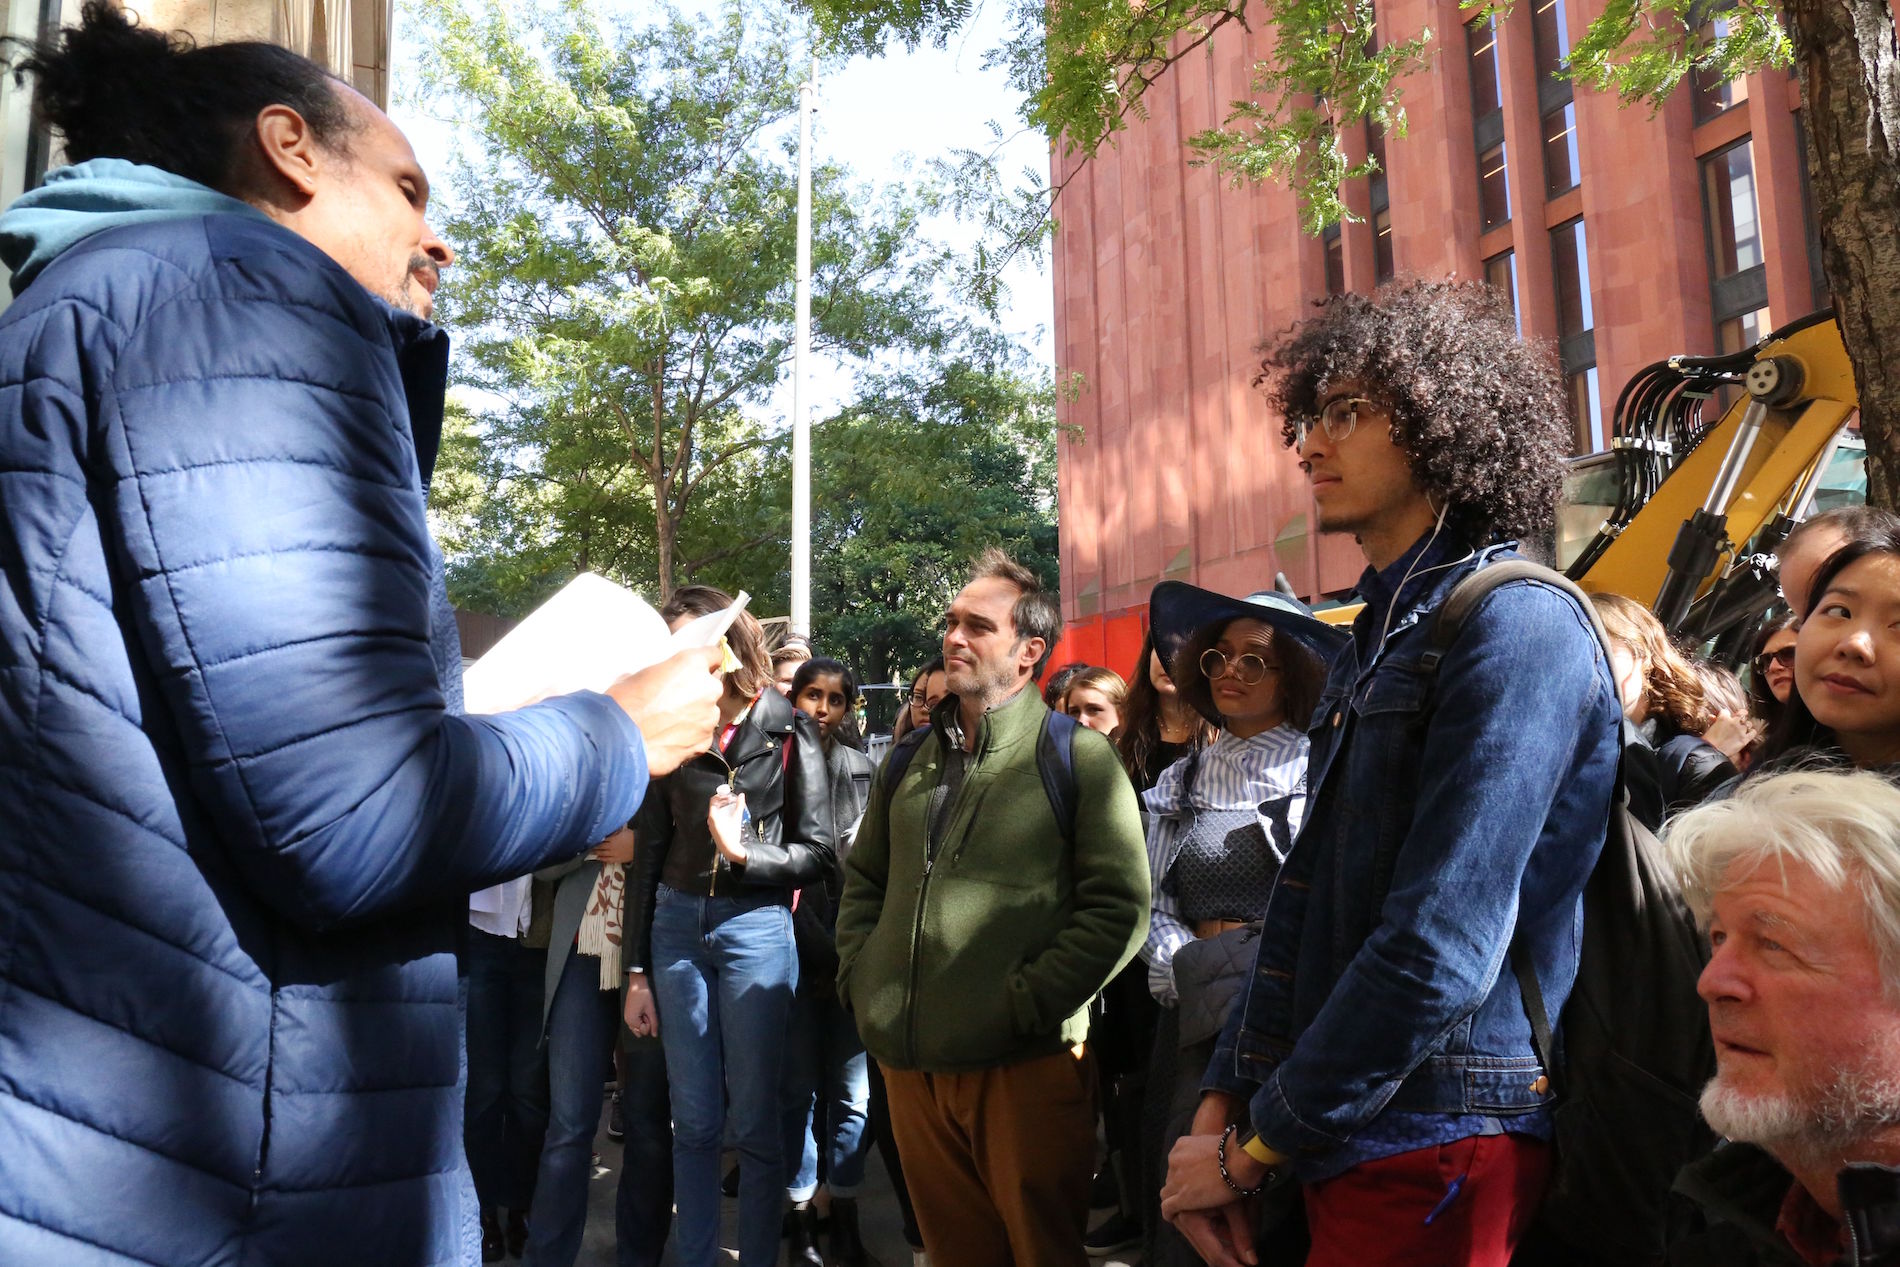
(1177, 611)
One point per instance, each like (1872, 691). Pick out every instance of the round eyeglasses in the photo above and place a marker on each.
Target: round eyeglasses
(1337, 418)
(1248, 669)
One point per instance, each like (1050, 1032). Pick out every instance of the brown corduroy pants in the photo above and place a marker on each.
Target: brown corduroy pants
(999, 1160)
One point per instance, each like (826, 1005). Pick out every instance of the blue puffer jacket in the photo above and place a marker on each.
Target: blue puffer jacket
(238, 817)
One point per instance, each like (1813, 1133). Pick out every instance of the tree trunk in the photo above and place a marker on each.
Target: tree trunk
(1850, 84)
(666, 535)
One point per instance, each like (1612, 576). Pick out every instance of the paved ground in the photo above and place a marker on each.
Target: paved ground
(877, 1208)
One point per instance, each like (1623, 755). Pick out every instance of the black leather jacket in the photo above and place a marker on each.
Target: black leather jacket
(789, 842)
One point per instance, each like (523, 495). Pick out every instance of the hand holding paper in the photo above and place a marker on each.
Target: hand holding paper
(598, 636)
(676, 705)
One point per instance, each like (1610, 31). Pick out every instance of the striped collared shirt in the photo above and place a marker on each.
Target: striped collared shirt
(1266, 773)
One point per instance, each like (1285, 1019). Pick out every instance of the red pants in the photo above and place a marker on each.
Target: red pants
(1377, 1213)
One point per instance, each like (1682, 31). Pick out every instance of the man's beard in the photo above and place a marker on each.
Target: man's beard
(985, 684)
(1820, 1127)
(410, 295)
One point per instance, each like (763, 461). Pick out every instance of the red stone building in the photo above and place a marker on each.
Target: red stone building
(1623, 237)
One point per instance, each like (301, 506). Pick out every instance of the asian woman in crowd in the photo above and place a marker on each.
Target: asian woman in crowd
(1844, 708)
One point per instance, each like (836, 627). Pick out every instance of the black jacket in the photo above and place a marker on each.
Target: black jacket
(776, 759)
(1668, 771)
(1729, 1201)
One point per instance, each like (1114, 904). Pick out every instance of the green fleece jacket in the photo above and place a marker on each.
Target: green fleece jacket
(990, 952)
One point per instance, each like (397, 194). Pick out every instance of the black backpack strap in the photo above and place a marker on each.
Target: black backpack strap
(900, 757)
(1447, 622)
(1055, 761)
(1541, 1036)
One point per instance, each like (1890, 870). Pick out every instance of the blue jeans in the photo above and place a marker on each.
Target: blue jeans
(507, 1106)
(580, 1040)
(827, 1087)
(724, 969)
(643, 1204)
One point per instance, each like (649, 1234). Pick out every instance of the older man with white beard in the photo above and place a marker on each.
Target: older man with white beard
(1797, 879)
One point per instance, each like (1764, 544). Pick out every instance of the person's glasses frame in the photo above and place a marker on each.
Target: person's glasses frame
(1337, 418)
(1248, 669)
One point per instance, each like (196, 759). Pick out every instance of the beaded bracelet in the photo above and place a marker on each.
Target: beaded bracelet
(1220, 1154)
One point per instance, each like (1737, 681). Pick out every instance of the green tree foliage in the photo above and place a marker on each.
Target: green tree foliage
(623, 294)
(908, 485)
(625, 220)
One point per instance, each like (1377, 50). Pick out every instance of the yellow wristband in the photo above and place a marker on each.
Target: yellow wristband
(1256, 1148)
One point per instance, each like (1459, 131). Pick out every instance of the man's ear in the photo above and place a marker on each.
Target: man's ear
(288, 152)
(1034, 649)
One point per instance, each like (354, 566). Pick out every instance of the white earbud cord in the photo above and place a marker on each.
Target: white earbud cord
(1393, 609)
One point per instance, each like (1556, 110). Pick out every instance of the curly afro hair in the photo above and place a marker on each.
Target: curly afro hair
(1479, 412)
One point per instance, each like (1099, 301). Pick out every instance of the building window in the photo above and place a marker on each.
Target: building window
(1335, 260)
(1494, 189)
(1576, 332)
(1381, 191)
(1712, 95)
(1742, 331)
(1481, 43)
(1586, 410)
(1570, 258)
(1728, 186)
(1551, 39)
(1500, 273)
(1561, 167)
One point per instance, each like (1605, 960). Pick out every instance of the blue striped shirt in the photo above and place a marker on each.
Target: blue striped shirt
(1266, 773)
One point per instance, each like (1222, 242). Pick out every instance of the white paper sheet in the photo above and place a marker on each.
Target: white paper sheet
(585, 638)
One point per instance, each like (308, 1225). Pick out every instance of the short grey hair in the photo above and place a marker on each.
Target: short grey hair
(1842, 826)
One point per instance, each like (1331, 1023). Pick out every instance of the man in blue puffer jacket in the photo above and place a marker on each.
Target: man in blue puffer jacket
(242, 815)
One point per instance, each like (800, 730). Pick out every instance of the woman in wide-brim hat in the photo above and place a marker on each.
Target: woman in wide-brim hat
(1220, 822)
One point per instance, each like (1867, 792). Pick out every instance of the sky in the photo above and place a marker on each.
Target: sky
(886, 117)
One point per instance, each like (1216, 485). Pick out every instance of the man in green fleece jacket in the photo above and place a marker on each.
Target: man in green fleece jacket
(972, 935)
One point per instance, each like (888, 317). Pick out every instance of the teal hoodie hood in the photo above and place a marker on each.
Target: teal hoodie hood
(87, 198)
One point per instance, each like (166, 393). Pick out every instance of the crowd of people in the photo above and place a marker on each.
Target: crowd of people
(1295, 917)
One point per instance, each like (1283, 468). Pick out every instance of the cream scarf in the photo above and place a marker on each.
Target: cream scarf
(600, 924)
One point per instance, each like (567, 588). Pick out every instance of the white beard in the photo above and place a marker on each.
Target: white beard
(1821, 1127)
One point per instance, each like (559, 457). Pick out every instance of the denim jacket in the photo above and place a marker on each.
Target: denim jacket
(1445, 810)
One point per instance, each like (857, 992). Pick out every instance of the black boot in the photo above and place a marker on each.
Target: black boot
(801, 1229)
(847, 1247)
(517, 1232)
(492, 1249)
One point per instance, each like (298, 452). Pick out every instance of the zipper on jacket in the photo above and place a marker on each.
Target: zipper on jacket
(718, 859)
(948, 813)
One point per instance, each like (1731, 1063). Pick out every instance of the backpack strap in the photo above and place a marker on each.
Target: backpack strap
(898, 761)
(1447, 622)
(1055, 761)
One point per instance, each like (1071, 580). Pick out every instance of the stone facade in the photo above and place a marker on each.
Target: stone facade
(1168, 277)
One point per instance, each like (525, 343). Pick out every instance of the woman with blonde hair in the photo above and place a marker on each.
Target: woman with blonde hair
(1668, 708)
(723, 843)
(1094, 697)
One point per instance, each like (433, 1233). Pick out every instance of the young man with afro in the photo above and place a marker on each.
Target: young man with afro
(1382, 1057)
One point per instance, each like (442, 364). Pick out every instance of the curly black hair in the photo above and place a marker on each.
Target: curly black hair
(1479, 412)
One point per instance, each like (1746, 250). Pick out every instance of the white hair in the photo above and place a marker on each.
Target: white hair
(1844, 827)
